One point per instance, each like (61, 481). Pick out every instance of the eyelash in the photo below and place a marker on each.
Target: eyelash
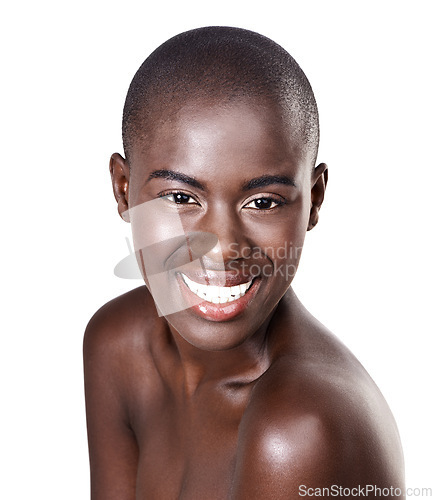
(274, 199)
(278, 201)
(178, 193)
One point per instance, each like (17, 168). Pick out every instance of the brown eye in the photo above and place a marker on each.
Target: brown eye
(180, 198)
(263, 203)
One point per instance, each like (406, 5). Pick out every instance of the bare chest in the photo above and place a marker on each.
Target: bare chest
(188, 451)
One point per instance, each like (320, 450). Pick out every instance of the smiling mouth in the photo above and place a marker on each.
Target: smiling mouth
(217, 294)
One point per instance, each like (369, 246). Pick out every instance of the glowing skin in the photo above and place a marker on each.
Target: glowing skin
(208, 144)
(244, 399)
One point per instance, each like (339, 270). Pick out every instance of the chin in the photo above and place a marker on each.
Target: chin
(211, 335)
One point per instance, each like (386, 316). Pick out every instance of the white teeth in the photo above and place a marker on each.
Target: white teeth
(225, 291)
(217, 294)
(212, 291)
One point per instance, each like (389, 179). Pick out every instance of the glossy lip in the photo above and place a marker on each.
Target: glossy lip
(220, 312)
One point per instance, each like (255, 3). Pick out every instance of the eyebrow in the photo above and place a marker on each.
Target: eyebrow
(266, 180)
(257, 182)
(171, 175)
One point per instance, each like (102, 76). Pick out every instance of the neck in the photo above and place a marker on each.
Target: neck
(238, 366)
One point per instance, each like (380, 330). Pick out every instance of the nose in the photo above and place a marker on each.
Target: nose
(234, 244)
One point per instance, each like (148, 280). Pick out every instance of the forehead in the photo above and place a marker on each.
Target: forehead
(230, 137)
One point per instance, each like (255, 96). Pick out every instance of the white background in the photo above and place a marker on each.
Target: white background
(367, 268)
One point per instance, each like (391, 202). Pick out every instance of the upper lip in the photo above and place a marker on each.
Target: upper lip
(219, 278)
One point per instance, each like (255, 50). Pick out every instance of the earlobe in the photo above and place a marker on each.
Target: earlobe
(120, 174)
(319, 183)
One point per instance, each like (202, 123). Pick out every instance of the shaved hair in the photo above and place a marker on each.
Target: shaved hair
(219, 64)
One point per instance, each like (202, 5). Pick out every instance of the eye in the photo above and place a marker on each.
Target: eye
(179, 198)
(264, 203)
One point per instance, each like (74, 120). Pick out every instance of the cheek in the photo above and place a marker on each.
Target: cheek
(282, 242)
(286, 230)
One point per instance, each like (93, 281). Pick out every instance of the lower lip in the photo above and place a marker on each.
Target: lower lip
(220, 312)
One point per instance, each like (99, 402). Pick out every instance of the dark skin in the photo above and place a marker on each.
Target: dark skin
(188, 407)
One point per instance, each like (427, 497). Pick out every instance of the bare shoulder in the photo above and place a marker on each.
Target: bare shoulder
(118, 321)
(316, 419)
(115, 343)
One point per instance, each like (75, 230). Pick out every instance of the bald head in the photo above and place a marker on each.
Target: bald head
(219, 64)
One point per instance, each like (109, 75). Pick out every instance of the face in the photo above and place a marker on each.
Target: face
(232, 195)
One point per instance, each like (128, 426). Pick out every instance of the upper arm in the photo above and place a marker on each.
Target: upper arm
(275, 461)
(284, 449)
(113, 450)
(293, 462)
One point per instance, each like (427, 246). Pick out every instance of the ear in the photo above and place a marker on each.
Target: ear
(120, 174)
(319, 183)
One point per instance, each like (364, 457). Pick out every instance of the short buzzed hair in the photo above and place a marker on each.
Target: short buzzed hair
(220, 63)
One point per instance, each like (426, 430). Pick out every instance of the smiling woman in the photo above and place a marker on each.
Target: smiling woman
(238, 176)
(214, 375)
